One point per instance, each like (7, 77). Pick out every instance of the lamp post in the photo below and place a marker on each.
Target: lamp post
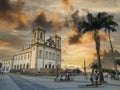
(57, 71)
(85, 69)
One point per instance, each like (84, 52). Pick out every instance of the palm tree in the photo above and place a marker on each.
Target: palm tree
(117, 61)
(94, 67)
(94, 23)
(109, 26)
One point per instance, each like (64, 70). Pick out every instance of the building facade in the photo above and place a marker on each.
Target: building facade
(7, 64)
(42, 53)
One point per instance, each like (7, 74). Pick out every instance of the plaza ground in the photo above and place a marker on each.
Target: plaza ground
(20, 82)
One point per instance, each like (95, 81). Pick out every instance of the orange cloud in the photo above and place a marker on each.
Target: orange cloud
(66, 5)
(3, 43)
(81, 46)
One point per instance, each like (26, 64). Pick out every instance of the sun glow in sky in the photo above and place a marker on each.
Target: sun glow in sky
(19, 17)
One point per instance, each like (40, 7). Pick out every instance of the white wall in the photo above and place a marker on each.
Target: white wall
(6, 65)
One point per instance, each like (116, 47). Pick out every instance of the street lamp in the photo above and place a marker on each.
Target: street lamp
(85, 69)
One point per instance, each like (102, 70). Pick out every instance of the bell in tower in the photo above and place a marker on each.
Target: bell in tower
(38, 35)
(57, 40)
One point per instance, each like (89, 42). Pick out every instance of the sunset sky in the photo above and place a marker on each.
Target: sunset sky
(19, 17)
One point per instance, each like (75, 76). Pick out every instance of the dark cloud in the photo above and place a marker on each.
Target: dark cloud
(75, 38)
(76, 18)
(4, 5)
(51, 22)
(12, 14)
(41, 19)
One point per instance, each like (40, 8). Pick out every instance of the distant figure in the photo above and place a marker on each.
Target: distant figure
(113, 76)
(68, 76)
(96, 80)
(91, 79)
(61, 77)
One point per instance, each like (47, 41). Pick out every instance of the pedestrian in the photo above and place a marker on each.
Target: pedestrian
(96, 80)
(91, 79)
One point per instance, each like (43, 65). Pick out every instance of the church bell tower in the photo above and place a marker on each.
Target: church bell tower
(38, 38)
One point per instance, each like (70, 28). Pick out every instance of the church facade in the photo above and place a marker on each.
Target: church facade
(43, 53)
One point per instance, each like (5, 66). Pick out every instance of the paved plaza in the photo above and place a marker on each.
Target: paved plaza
(18, 82)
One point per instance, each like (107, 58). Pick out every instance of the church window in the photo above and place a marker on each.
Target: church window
(49, 65)
(24, 56)
(21, 57)
(53, 66)
(28, 56)
(18, 57)
(14, 66)
(17, 66)
(27, 65)
(50, 55)
(46, 54)
(41, 35)
(53, 56)
(35, 35)
(20, 66)
(46, 66)
(58, 56)
(40, 53)
(58, 42)
(24, 66)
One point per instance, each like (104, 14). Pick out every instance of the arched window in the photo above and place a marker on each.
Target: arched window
(41, 35)
(40, 53)
(27, 66)
(58, 42)
(53, 66)
(24, 56)
(28, 56)
(49, 65)
(14, 66)
(49, 55)
(20, 66)
(24, 66)
(4, 68)
(35, 35)
(46, 66)
(46, 54)
(17, 66)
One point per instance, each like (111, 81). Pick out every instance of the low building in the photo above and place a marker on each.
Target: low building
(7, 64)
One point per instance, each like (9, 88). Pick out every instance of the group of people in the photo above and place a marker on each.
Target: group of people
(68, 76)
(94, 78)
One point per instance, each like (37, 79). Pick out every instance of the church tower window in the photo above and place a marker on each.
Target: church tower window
(46, 66)
(40, 53)
(41, 35)
(27, 66)
(35, 35)
(49, 65)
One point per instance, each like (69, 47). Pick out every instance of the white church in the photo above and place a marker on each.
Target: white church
(43, 53)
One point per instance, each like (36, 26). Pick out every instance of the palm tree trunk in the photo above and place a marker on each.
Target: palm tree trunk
(97, 42)
(115, 66)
